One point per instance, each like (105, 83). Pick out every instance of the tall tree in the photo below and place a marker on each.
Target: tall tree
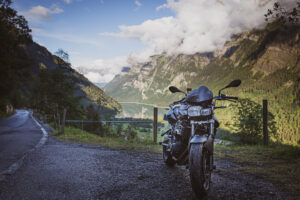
(54, 91)
(63, 55)
(248, 121)
(14, 32)
(283, 14)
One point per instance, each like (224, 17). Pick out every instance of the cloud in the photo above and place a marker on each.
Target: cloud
(38, 13)
(99, 78)
(138, 3)
(68, 1)
(103, 70)
(198, 25)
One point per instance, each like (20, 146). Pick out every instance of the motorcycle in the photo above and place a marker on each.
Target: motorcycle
(190, 140)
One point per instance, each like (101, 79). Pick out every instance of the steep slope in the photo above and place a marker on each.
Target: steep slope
(42, 58)
(267, 61)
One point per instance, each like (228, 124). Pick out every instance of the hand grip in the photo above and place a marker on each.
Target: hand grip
(234, 98)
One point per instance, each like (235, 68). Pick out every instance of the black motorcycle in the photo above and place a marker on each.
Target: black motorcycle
(190, 140)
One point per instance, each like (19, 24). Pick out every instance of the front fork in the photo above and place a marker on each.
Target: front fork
(208, 141)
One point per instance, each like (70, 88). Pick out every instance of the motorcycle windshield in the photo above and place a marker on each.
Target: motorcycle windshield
(199, 95)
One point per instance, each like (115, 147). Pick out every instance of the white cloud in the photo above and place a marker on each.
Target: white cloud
(138, 3)
(103, 70)
(68, 1)
(99, 78)
(198, 25)
(38, 13)
(71, 1)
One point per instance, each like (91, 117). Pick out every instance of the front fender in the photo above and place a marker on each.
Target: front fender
(198, 139)
(202, 139)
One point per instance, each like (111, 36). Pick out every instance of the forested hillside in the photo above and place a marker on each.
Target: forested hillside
(267, 61)
(32, 77)
(42, 59)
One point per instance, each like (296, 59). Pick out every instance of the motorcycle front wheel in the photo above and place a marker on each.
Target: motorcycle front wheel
(199, 169)
(168, 157)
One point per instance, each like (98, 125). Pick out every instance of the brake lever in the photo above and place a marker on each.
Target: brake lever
(217, 107)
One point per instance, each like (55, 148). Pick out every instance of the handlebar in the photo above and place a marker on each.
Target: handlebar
(224, 97)
(221, 97)
(177, 102)
(234, 98)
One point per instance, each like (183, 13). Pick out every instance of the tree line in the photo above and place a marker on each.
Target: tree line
(49, 92)
(14, 63)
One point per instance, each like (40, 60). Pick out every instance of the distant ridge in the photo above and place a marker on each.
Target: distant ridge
(42, 58)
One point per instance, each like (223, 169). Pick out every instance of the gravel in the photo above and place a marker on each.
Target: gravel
(61, 170)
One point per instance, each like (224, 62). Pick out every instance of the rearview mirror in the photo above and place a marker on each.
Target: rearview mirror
(174, 89)
(234, 83)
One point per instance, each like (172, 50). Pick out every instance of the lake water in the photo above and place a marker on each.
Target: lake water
(139, 111)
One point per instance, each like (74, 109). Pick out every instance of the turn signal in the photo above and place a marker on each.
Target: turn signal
(188, 90)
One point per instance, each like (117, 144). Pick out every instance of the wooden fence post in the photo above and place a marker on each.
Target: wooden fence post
(155, 125)
(265, 122)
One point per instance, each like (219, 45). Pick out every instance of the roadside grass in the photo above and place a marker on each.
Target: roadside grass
(5, 115)
(75, 135)
(277, 163)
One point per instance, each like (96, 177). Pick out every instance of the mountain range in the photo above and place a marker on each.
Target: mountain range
(267, 61)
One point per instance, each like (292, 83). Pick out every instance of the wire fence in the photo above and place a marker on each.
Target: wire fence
(105, 121)
(155, 122)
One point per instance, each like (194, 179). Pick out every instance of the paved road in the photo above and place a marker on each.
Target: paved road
(18, 134)
(72, 171)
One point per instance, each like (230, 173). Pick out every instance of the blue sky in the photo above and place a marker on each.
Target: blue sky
(75, 25)
(102, 36)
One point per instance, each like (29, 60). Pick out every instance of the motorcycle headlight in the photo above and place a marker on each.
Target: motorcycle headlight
(194, 111)
(206, 112)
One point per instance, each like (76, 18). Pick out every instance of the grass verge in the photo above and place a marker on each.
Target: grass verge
(279, 164)
(76, 135)
(5, 115)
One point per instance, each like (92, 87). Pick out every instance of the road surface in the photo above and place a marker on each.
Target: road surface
(18, 134)
(61, 170)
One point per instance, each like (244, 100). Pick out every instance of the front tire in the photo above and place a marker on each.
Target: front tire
(168, 157)
(199, 169)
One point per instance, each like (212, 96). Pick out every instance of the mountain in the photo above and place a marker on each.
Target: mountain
(267, 61)
(41, 58)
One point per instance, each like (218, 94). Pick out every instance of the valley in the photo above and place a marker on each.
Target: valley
(267, 61)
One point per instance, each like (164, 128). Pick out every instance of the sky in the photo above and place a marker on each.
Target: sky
(102, 36)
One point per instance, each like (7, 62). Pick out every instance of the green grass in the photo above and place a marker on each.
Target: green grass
(279, 164)
(4, 114)
(78, 136)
